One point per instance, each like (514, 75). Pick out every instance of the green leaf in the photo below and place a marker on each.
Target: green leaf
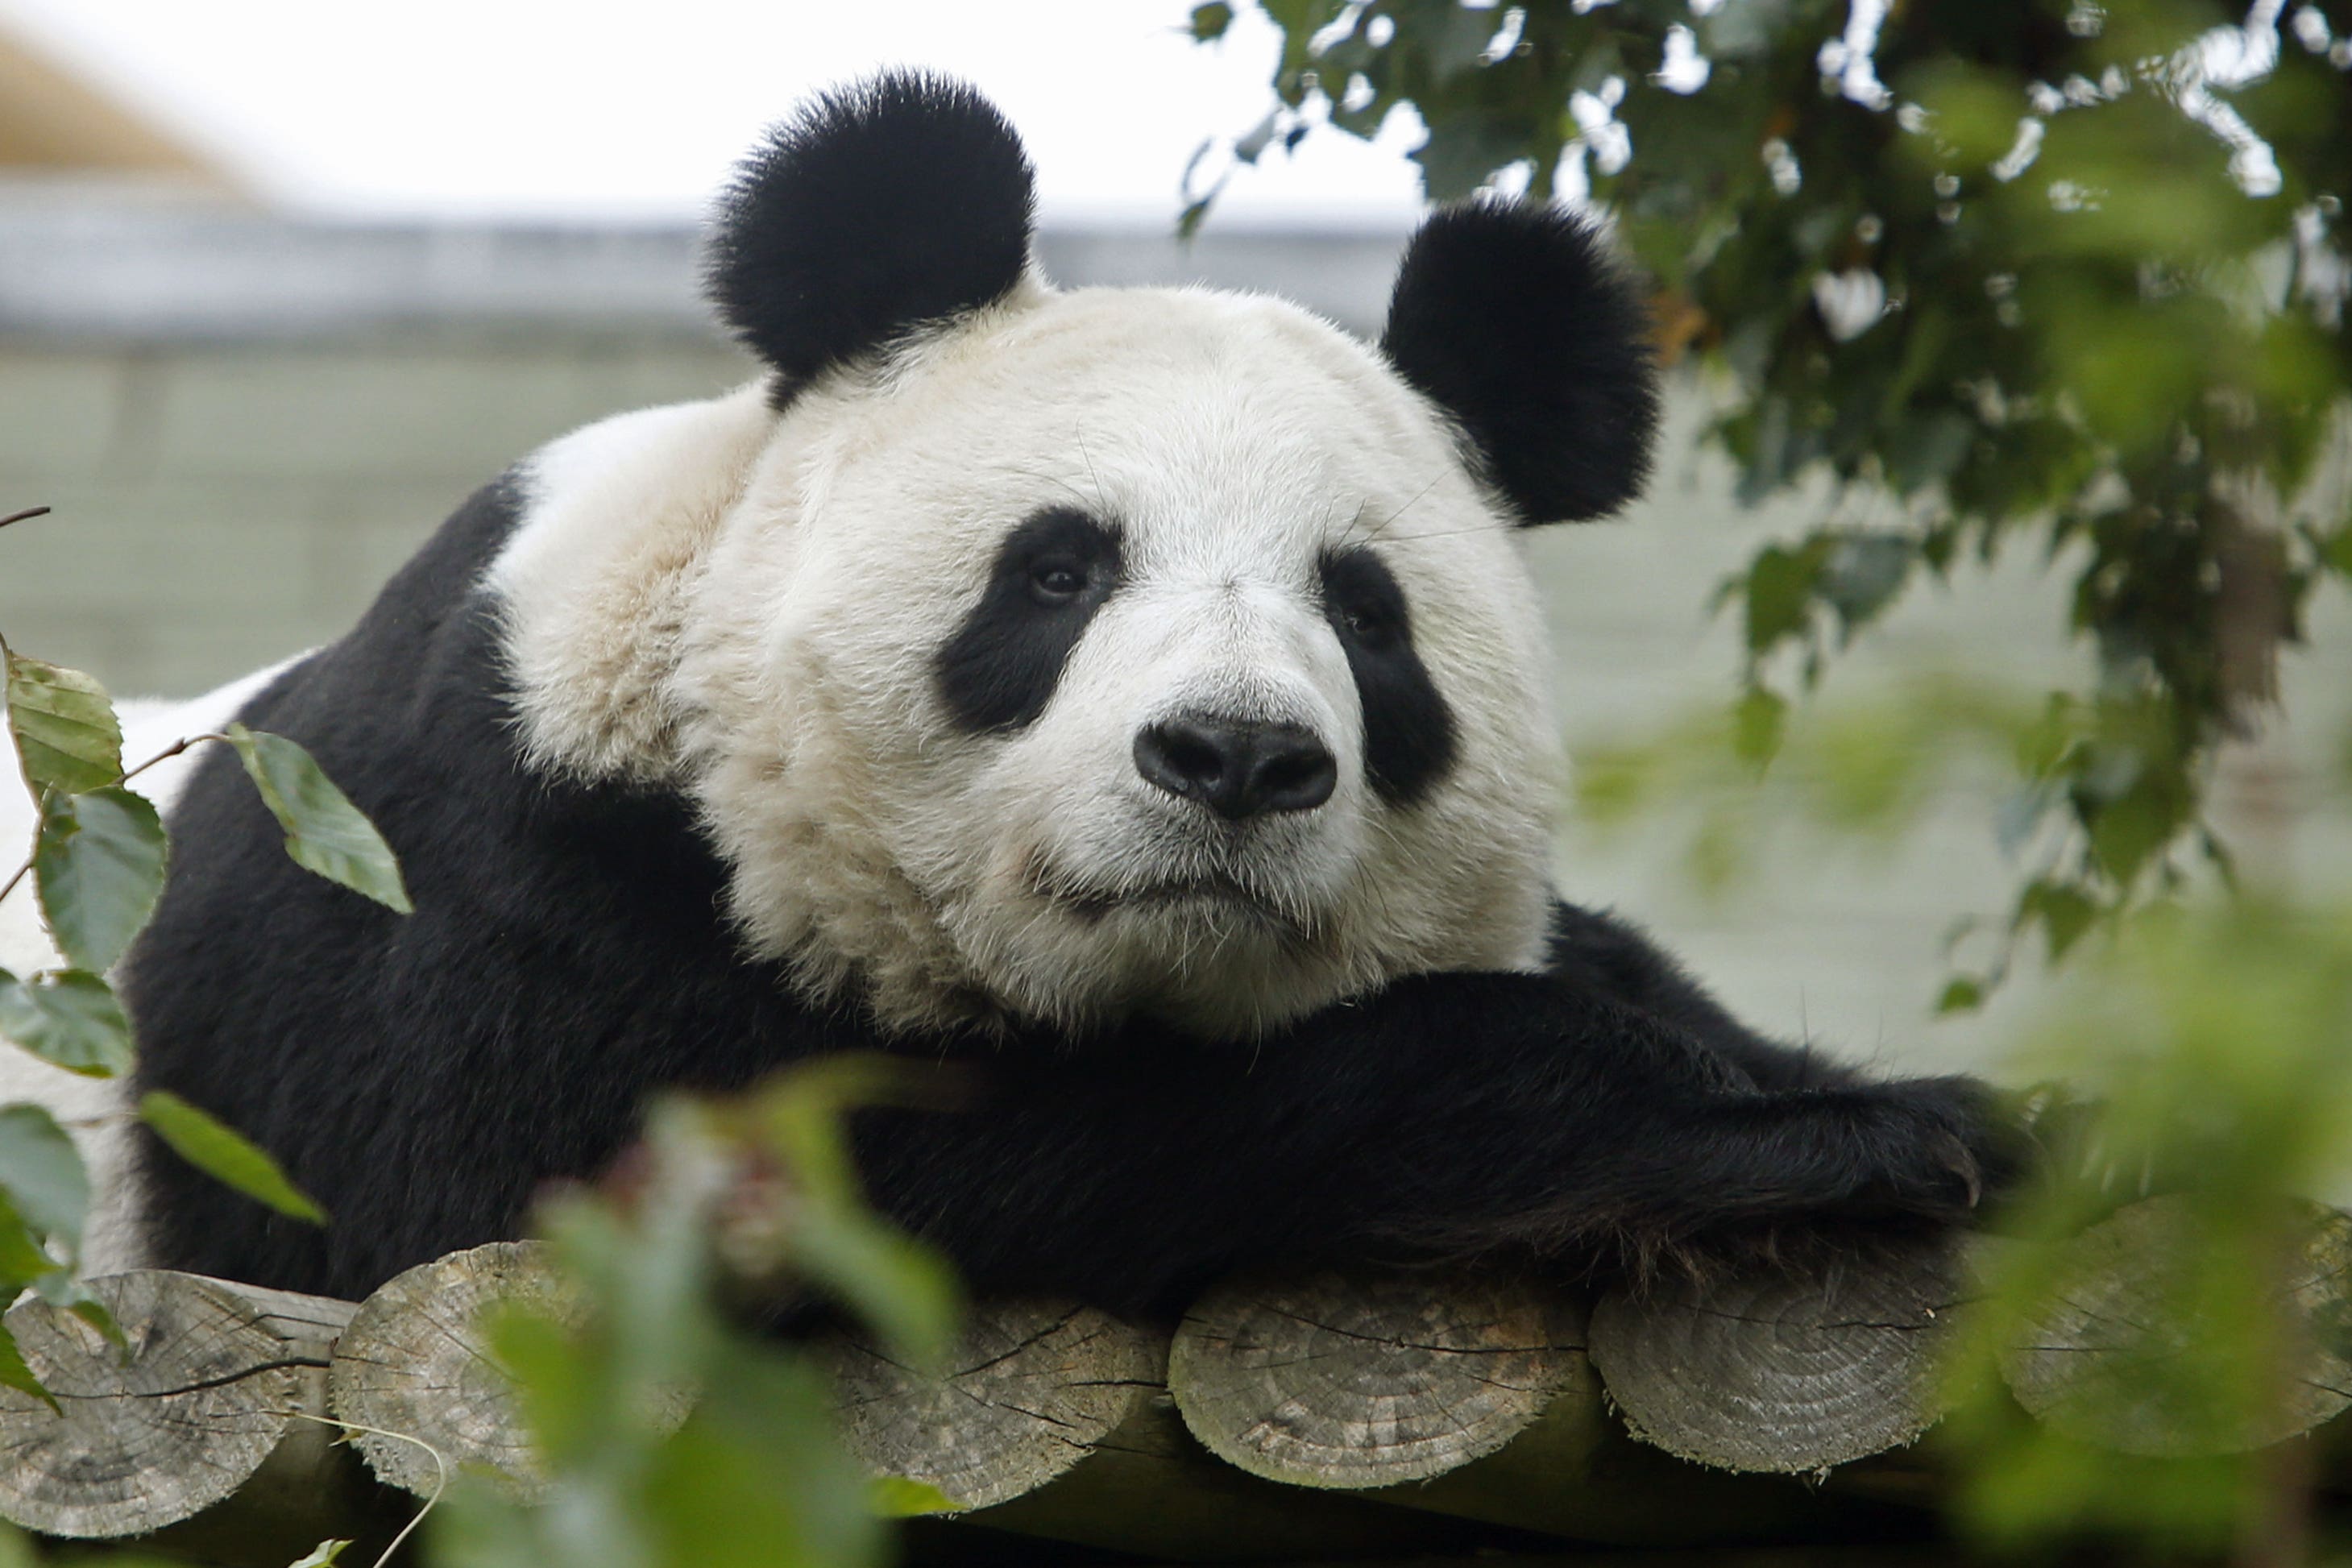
(756, 1467)
(1460, 152)
(1781, 584)
(895, 1497)
(324, 1555)
(23, 1257)
(68, 1019)
(16, 1550)
(894, 1282)
(41, 1171)
(99, 867)
(15, 1374)
(1961, 994)
(2065, 914)
(1210, 21)
(2338, 552)
(66, 733)
(1756, 724)
(61, 1289)
(1863, 574)
(896, 1285)
(225, 1155)
(325, 832)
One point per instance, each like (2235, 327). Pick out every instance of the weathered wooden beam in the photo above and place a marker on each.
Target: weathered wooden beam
(1468, 1397)
(1051, 1420)
(414, 1375)
(2100, 1362)
(1788, 1372)
(215, 1397)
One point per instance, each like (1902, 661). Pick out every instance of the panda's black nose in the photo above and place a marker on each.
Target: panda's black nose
(1237, 770)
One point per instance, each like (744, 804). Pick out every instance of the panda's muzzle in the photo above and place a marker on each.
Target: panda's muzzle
(1237, 769)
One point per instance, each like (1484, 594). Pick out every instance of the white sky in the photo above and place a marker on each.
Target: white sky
(589, 108)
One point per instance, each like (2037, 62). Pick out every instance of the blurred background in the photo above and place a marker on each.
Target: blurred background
(280, 283)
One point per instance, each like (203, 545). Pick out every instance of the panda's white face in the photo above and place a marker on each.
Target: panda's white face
(1113, 652)
(1122, 651)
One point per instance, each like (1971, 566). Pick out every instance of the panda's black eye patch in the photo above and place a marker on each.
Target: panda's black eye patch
(1049, 578)
(1408, 729)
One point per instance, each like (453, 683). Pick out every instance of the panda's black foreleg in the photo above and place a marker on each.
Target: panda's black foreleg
(1448, 1117)
(1612, 958)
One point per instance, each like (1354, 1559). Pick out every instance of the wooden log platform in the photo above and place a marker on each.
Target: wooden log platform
(1333, 1417)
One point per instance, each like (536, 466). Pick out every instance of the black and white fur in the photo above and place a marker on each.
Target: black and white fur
(1127, 697)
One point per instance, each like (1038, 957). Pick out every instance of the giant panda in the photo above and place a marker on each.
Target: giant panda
(1127, 698)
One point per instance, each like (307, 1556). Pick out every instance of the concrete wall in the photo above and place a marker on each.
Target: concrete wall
(220, 505)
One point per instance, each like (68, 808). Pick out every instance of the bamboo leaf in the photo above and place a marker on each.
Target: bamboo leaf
(99, 867)
(326, 1554)
(325, 833)
(68, 1019)
(224, 1154)
(64, 727)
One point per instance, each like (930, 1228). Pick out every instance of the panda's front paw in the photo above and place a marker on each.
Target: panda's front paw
(1954, 1143)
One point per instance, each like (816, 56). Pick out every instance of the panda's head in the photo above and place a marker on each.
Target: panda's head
(1073, 655)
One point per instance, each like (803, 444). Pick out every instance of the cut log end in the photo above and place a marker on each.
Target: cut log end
(216, 1378)
(1370, 1379)
(415, 1369)
(2114, 1358)
(1783, 1373)
(1029, 1387)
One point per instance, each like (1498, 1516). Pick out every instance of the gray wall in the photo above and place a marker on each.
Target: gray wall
(244, 426)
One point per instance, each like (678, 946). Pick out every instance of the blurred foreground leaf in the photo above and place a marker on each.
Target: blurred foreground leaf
(673, 1436)
(899, 1288)
(2209, 1048)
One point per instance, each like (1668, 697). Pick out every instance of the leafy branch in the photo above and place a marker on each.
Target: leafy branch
(2061, 273)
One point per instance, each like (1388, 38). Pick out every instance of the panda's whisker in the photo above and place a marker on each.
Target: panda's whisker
(1387, 522)
(1101, 499)
(1487, 527)
(1356, 522)
(1041, 476)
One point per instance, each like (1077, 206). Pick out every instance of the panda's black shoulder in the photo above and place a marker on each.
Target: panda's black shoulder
(568, 954)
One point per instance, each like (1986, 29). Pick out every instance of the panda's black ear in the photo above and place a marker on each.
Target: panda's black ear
(1518, 321)
(903, 200)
